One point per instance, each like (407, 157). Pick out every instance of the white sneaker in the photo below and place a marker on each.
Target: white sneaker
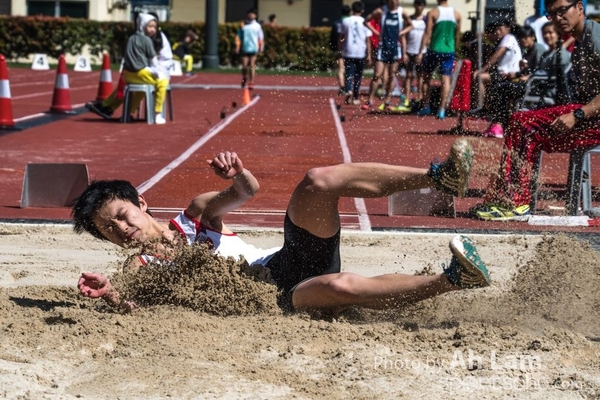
(159, 120)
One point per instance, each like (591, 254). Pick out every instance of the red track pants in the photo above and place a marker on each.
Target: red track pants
(529, 133)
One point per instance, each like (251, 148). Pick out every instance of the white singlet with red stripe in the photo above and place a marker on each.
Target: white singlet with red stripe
(224, 244)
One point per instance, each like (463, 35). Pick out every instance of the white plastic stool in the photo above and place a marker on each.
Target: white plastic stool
(148, 91)
(586, 180)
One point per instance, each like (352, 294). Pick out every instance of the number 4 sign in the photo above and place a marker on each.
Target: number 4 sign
(40, 62)
(82, 64)
(176, 68)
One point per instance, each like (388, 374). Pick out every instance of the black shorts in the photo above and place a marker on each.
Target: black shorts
(302, 256)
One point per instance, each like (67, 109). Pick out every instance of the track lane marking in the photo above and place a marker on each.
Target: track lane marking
(361, 207)
(212, 132)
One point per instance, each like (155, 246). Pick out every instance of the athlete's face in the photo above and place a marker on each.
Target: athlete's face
(150, 29)
(565, 15)
(550, 36)
(123, 223)
(392, 4)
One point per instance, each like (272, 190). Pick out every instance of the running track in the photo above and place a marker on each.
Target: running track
(291, 125)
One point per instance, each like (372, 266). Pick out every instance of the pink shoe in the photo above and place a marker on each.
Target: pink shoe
(495, 131)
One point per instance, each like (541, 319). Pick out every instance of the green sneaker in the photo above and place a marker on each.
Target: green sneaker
(401, 109)
(452, 175)
(466, 270)
(490, 212)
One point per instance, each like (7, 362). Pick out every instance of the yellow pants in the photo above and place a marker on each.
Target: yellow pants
(141, 77)
(188, 60)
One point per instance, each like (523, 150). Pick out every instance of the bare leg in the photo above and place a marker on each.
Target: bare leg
(252, 66)
(379, 68)
(445, 90)
(392, 71)
(245, 62)
(341, 73)
(314, 204)
(426, 89)
(334, 291)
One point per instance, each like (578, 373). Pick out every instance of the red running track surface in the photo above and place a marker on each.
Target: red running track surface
(282, 135)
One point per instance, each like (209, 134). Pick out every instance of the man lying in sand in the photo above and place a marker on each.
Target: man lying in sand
(307, 268)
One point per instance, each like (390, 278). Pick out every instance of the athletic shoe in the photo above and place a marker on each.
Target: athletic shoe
(189, 74)
(441, 114)
(159, 119)
(452, 175)
(406, 102)
(402, 109)
(348, 99)
(342, 91)
(466, 270)
(356, 102)
(385, 107)
(424, 111)
(495, 131)
(489, 212)
(366, 106)
(97, 108)
(251, 86)
(243, 83)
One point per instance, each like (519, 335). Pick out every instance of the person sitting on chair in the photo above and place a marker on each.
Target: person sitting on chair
(561, 128)
(181, 51)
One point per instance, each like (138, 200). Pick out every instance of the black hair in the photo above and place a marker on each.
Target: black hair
(346, 10)
(358, 7)
(94, 197)
(252, 10)
(492, 26)
(525, 32)
(157, 40)
(549, 23)
(272, 17)
(548, 3)
(420, 3)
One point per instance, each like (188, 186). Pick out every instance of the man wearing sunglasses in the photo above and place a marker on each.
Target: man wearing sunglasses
(560, 128)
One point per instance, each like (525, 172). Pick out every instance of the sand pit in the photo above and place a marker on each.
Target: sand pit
(533, 334)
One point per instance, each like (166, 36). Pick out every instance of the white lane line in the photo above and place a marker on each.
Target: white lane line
(28, 96)
(239, 212)
(199, 143)
(25, 118)
(361, 207)
(208, 86)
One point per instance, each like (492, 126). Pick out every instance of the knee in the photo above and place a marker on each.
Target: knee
(377, 78)
(344, 285)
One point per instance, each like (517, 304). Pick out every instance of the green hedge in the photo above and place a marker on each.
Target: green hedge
(302, 48)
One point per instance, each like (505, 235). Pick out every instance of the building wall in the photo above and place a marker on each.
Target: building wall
(293, 14)
(193, 10)
(99, 10)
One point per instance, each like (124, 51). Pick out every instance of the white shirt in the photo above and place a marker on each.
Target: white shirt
(415, 35)
(537, 27)
(355, 37)
(510, 60)
(165, 58)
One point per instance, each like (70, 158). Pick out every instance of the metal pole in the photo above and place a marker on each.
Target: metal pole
(479, 51)
(210, 60)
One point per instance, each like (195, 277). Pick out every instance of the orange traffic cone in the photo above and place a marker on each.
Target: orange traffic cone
(105, 85)
(6, 116)
(246, 99)
(61, 99)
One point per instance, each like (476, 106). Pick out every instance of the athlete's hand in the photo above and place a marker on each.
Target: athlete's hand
(93, 285)
(226, 165)
(564, 123)
(419, 58)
